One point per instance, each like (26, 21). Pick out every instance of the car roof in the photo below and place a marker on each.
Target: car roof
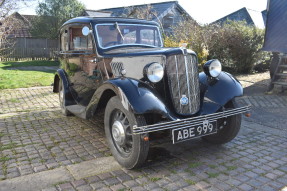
(96, 20)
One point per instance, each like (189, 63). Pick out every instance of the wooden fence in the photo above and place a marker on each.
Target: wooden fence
(28, 49)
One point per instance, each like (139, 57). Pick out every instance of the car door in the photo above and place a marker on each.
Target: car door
(79, 62)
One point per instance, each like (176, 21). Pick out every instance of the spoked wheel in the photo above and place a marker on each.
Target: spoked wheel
(128, 149)
(62, 99)
(121, 133)
(228, 128)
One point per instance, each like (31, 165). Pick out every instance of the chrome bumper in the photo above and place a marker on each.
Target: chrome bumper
(189, 122)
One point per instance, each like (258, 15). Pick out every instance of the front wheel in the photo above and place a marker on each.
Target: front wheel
(229, 127)
(128, 149)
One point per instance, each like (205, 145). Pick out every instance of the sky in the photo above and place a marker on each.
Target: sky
(203, 11)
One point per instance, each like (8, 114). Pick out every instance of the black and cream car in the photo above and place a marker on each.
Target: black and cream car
(121, 66)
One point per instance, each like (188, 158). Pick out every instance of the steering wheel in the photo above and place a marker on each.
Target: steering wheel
(111, 43)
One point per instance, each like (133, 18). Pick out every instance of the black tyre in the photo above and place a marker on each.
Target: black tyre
(128, 149)
(228, 128)
(62, 99)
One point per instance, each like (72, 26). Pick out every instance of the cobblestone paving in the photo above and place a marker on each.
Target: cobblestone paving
(265, 101)
(38, 137)
(35, 137)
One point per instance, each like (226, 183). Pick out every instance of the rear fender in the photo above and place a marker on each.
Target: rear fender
(61, 74)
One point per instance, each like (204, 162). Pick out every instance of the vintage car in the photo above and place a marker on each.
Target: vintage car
(146, 90)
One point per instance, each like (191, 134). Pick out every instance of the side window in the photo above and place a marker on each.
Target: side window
(64, 40)
(149, 37)
(78, 41)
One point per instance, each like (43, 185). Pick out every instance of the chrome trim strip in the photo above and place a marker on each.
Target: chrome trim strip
(189, 121)
(175, 57)
(187, 82)
(192, 79)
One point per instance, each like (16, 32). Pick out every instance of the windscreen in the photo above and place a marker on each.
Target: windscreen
(117, 34)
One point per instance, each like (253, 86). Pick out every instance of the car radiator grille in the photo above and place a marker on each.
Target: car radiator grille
(183, 83)
(117, 68)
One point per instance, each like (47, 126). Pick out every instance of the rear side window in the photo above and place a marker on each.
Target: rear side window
(78, 41)
(72, 39)
(64, 40)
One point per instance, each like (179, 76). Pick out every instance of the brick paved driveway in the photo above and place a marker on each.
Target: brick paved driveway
(36, 137)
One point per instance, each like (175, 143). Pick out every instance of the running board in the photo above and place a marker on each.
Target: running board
(77, 110)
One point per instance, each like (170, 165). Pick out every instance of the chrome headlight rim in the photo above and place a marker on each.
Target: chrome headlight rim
(212, 68)
(154, 72)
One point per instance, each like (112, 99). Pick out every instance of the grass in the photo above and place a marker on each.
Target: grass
(190, 182)
(12, 64)
(229, 168)
(13, 100)
(23, 78)
(212, 166)
(212, 175)
(8, 146)
(190, 172)
(154, 179)
(172, 171)
(2, 134)
(194, 164)
(4, 158)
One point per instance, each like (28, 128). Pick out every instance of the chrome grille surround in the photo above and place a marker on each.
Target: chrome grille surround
(183, 81)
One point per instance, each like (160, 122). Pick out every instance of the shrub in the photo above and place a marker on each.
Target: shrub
(237, 45)
(192, 34)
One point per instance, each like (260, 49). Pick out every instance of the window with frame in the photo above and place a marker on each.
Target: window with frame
(78, 41)
(122, 34)
(64, 41)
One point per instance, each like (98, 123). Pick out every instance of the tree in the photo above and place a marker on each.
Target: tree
(8, 23)
(191, 33)
(52, 14)
(145, 12)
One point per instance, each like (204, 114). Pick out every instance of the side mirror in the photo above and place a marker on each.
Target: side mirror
(85, 31)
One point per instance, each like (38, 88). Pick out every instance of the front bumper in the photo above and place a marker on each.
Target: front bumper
(189, 122)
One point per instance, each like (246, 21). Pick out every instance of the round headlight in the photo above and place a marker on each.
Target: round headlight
(212, 68)
(154, 72)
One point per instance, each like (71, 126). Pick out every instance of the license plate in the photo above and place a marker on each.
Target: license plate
(184, 134)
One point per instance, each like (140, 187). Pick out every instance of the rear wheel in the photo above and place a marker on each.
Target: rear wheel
(62, 99)
(128, 149)
(228, 129)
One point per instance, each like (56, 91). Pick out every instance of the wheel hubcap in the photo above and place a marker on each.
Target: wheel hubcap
(121, 133)
(118, 133)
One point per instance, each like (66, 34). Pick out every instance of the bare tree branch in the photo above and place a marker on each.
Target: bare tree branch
(8, 25)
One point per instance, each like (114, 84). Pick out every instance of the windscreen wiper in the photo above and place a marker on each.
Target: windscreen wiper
(119, 30)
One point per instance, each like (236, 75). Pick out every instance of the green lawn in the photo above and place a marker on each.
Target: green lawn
(11, 76)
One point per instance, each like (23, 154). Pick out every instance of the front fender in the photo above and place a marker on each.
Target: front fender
(136, 97)
(218, 92)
